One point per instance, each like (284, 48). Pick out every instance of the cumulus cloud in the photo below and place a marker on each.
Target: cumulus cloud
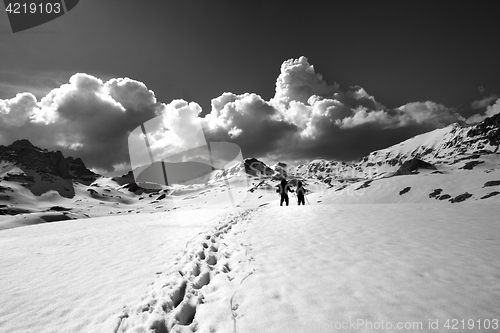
(426, 115)
(178, 128)
(249, 121)
(17, 111)
(307, 118)
(84, 118)
(484, 102)
(298, 81)
(491, 110)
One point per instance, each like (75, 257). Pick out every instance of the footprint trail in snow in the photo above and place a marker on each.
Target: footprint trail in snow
(198, 292)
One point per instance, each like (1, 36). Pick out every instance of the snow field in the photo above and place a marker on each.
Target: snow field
(309, 268)
(387, 190)
(320, 265)
(269, 269)
(75, 276)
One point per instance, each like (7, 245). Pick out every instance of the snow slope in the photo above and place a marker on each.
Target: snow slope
(420, 187)
(316, 266)
(442, 147)
(270, 269)
(73, 276)
(438, 146)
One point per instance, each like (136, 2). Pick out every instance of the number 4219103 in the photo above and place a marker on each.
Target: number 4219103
(33, 8)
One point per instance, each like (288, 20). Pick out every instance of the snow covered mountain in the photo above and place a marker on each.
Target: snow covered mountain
(448, 145)
(250, 166)
(457, 144)
(40, 170)
(327, 171)
(280, 169)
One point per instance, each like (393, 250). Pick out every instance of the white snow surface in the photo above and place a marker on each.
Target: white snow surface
(73, 277)
(318, 266)
(268, 269)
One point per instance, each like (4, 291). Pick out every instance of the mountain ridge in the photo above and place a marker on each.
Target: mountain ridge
(40, 170)
(449, 145)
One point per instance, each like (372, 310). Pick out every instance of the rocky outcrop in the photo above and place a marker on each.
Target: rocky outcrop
(24, 154)
(79, 172)
(135, 188)
(492, 183)
(249, 166)
(23, 144)
(461, 197)
(405, 190)
(42, 171)
(280, 170)
(412, 166)
(489, 129)
(323, 168)
(125, 179)
(255, 167)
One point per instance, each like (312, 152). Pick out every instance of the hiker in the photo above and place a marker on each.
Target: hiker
(283, 189)
(301, 192)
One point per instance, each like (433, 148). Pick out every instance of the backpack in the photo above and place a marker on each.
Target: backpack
(301, 190)
(282, 189)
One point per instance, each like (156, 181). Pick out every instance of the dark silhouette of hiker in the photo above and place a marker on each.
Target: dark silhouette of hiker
(301, 192)
(283, 189)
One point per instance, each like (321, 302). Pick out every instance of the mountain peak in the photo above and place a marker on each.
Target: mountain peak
(459, 123)
(254, 167)
(27, 156)
(23, 143)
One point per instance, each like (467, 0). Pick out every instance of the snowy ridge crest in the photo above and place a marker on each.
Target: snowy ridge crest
(441, 145)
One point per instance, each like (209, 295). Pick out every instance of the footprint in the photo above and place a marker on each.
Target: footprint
(196, 270)
(201, 255)
(159, 326)
(214, 248)
(205, 245)
(179, 294)
(203, 280)
(186, 314)
(211, 260)
(167, 306)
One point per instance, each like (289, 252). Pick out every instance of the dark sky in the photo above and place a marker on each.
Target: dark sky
(398, 51)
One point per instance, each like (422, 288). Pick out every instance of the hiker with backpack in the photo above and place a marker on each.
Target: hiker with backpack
(301, 192)
(283, 189)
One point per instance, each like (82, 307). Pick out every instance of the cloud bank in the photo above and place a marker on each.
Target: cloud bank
(307, 118)
(85, 118)
(484, 103)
